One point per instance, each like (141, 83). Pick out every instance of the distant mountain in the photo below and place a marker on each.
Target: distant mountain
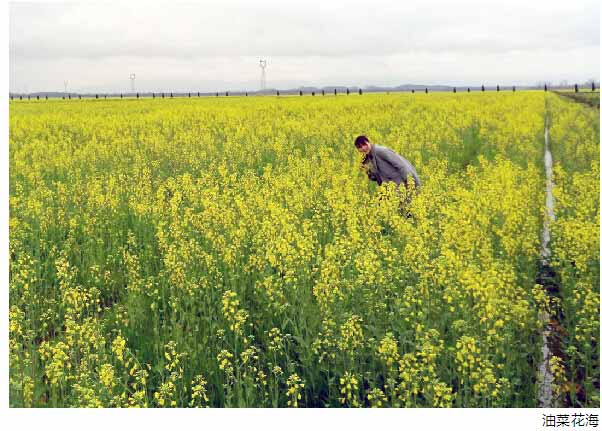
(340, 89)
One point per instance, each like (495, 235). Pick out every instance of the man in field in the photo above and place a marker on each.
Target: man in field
(382, 164)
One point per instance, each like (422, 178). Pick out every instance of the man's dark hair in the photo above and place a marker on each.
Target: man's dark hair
(360, 140)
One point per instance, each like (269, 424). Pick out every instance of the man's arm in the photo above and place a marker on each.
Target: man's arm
(367, 167)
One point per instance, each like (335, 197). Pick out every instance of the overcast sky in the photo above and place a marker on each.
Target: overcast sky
(216, 45)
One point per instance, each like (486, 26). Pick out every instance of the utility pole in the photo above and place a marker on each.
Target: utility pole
(263, 64)
(133, 82)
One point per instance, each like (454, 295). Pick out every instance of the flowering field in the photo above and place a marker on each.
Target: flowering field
(575, 138)
(230, 252)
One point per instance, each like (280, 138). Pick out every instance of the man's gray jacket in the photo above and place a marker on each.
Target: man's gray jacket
(390, 166)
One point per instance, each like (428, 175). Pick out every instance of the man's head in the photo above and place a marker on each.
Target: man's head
(363, 144)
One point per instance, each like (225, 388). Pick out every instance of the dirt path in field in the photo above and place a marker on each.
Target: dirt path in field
(547, 278)
(584, 98)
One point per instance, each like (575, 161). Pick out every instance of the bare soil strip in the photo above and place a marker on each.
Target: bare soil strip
(549, 280)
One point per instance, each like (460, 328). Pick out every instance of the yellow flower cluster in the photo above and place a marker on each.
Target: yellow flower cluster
(352, 335)
(387, 350)
(165, 396)
(224, 359)
(349, 390)
(294, 390)
(57, 361)
(236, 316)
(118, 347)
(324, 346)
(173, 357)
(199, 396)
(106, 375)
(376, 397)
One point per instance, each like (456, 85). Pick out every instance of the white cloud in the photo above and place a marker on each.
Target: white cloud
(218, 44)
